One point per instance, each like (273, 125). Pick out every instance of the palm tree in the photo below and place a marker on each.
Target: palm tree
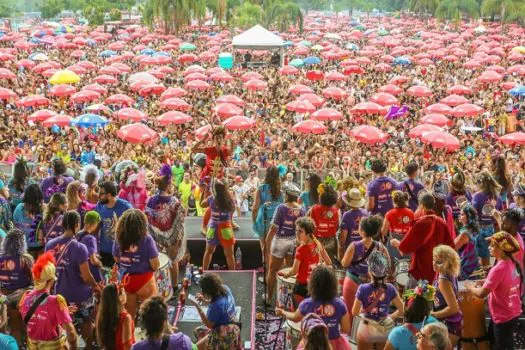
(454, 9)
(247, 15)
(283, 14)
(426, 7)
(198, 10)
(174, 13)
(509, 10)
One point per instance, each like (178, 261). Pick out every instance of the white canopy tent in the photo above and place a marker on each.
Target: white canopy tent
(259, 38)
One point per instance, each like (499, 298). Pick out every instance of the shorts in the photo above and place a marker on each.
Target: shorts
(84, 312)
(371, 333)
(222, 235)
(482, 245)
(454, 327)
(282, 246)
(300, 292)
(135, 282)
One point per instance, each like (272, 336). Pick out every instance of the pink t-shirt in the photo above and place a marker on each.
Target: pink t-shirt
(503, 281)
(50, 314)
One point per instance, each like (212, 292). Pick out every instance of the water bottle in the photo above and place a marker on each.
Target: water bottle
(238, 259)
(187, 274)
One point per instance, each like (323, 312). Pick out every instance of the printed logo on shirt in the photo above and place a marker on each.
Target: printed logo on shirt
(327, 310)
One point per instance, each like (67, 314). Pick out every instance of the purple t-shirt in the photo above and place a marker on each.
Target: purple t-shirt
(178, 341)
(367, 294)
(350, 223)
(284, 218)
(415, 187)
(54, 184)
(331, 313)
(381, 189)
(12, 274)
(136, 259)
(217, 216)
(53, 228)
(479, 200)
(90, 241)
(70, 254)
(451, 201)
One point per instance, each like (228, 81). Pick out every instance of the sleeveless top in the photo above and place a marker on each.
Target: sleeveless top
(119, 344)
(360, 250)
(266, 210)
(468, 256)
(439, 300)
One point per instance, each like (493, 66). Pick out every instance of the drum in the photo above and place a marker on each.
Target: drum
(163, 278)
(473, 309)
(340, 275)
(285, 290)
(293, 335)
(355, 326)
(401, 272)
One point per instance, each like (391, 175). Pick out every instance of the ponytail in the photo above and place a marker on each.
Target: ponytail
(317, 339)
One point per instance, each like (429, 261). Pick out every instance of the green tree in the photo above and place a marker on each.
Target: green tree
(115, 14)
(425, 7)
(507, 10)
(198, 10)
(455, 9)
(247, 15)
(51, 8)
(283, 14)
(95, 12)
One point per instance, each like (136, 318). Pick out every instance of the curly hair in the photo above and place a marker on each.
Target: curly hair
(53, 207)
(307, 224)
(447, 259)
(154, 313)
(273, 179)
(513, 217)
(329, 197)
(488, 184)
(472, 218)
(131, 227)
(323, 284)
(212, 286)
(14, 243)
(371, 226)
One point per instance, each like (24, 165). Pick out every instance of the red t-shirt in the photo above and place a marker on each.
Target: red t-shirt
(309, 257)
(211, 154)
(326, 220)
(400, 220)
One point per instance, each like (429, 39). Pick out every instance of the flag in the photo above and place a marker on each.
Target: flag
(395, 112)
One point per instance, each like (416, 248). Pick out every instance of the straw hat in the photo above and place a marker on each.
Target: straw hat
(354, 198)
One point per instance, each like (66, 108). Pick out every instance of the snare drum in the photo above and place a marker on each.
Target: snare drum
(293, 335)
(340, 275)
(355, 326)
(163, 278)
(401, 272)
(285, 291)
(473, 309)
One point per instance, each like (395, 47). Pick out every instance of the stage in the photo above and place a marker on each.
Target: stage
(244, 237)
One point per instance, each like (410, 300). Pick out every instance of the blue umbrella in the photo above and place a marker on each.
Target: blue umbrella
(517, 91)
(34, 40)
(107, 53)
(288, 44)
(91, 42)
(89, 120)
(148, 52)
(311, 60)
(352, 46)
(401, 60)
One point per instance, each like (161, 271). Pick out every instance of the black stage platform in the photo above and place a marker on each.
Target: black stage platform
(242, 285)
(245, 239)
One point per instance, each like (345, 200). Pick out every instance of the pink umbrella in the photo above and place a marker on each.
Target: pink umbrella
(441, 139)
(98, 108)
(335, 93)
(106, 79)
(315, 100)
(173, 92)
(174, 117)
(6, 94)
(353, 70)
(299, 89)
(467, 110)
(33, 101)
(391, 89)
(221, 76)
(367, 108)
(239, 122)
(41, 115)
(515, 138)
(130, 114)
(419, 91)
(202, 131)
(137, 133)
(226, 110)
(399, 79)
(194, 69)
(195, 76)
(438, 108)
(489, 77)
(58, 120)
(109, 70)
(300, 106)
(315, 75)
(251, 75)
(7, 74)
(459, 90)
(435, 119)
(197, 85)
(369, 135)
(309, 127)
(288, 70)
(230, 99)
(383, 67)
(419, 130)
(384, 99)
(255, 84)
(152, 89)
(326, 114)
(62, 90)
(119, 99)
(175, 103)
(453, 100)
(335, 76)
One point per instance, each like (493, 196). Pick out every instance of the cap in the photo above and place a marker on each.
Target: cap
(291, 189)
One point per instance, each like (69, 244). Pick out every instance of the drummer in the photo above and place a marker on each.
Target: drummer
(457, 195)
(349, 228)
(379, 190)
(411, 185)
(397, 222)
(465, 243)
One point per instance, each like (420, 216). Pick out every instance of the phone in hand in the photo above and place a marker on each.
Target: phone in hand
(192, 299)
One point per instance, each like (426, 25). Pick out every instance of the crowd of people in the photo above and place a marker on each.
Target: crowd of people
(86, 218)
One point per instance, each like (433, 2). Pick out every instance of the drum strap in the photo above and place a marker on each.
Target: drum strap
(367, 254)
(34, 306)
(412, 196)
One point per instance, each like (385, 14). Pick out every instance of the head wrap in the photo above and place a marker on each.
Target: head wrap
(505, 242)
(440, 189)
(378, 264)
(310, 322)
(44, 270)
(423, 290)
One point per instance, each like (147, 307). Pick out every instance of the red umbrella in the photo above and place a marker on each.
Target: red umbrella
(106, 79)
(489, 77)
(441, 139)
(367, 108)
(41, 115)
(221, 76)
(130, 114)
(391, 89)
(369, 135)
(419, 91)
(172, 92)
(97, 88)
(459, 90)
(197, 85)
(326, 114)
(152, 89)
(6, 94)
(515, 138)
(467, 110)
(255, 84)
(354, 69)
(299, 89)
(438, 108)
(175, 103)
(251, 75)
(309, 127)
(239, 122)
(7, 74)
(187, 58)
(230, 99)
(335, 76)
(137, 133)
(384, 99)
(315, 75)
(300, 106)
(202, 131)
(453, 100)
(226, 110)
(419, 130)
(119, 99)
(315, 100)
(174, 117)
(33, 101)
(335, 93)
(62, 90)
(288, 70)
(435, 119)
(58, 120)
